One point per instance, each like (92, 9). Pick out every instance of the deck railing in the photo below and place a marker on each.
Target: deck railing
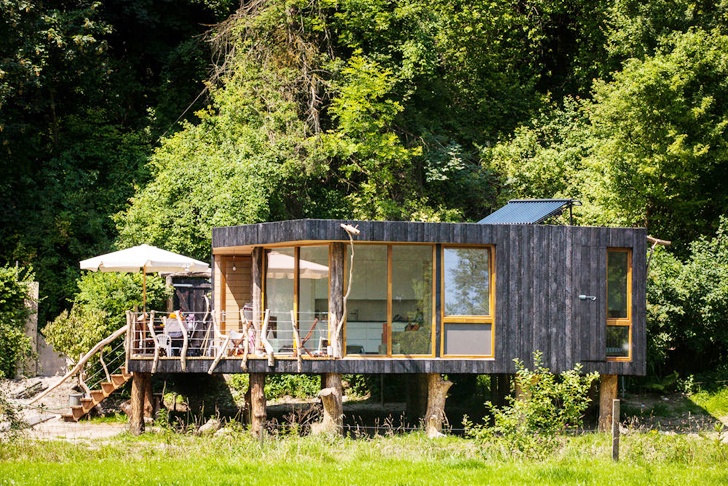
(161, 335)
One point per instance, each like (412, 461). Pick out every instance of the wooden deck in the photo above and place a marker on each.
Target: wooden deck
(231, 365)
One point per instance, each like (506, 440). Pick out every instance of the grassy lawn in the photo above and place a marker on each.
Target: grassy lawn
(168, 458)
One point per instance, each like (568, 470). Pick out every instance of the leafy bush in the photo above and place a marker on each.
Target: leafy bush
(99, 309)
(545, 405)
(14, 344)
(278, 386)
(10, 418)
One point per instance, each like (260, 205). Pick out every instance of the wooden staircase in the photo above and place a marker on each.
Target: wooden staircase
(97, 396)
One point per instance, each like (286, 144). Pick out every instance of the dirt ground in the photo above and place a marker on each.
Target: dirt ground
(44, 416)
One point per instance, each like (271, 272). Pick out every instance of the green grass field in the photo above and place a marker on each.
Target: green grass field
(169, 458)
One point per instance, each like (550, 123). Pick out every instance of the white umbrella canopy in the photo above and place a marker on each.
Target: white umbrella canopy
(280, 265)
(146, 259)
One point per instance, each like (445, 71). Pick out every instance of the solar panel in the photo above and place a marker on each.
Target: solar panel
(527, 211)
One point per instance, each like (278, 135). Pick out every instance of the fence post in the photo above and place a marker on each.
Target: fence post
(615, 430)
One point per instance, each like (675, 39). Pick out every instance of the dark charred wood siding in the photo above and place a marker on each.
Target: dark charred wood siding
(540, 273)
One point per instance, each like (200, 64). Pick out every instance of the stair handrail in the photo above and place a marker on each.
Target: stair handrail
(82, 361)
(103, 364)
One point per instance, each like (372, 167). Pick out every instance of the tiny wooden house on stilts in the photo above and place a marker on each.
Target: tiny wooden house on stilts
(421, 298)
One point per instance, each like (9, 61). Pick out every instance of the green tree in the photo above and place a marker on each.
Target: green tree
(688, 306)
(661, 160)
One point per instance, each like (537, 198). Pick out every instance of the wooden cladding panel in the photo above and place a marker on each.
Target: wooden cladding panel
(236, 288)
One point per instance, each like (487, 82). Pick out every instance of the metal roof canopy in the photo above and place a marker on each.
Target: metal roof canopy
(530, 211)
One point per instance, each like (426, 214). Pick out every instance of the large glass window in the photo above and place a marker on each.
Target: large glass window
(390, 305)
(467, 301)
(411, 300)
(366, 320)
(313, 296)
(619, 303)
(279, 296)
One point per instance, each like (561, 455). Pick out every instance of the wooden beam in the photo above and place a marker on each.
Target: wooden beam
(607, 394)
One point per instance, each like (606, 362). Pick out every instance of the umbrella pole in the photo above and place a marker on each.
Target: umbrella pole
(144, 289)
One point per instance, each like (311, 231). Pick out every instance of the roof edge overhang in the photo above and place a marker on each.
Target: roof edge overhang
(242, 239)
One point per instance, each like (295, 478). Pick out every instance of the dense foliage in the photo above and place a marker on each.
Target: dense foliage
(14, 312)
(438, 110)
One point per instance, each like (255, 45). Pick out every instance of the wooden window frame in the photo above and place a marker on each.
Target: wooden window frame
(621, 321)
(469, 319)
(389, 302)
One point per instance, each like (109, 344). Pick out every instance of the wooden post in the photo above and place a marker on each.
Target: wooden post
(258, 414)
(615, 430)
(437, 389)
(138, 387)
(607, 393)
(336, 297)
(256, 276)
(331, 396)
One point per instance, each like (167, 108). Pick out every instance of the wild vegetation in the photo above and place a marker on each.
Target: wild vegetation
(235, 457)
(128, 121)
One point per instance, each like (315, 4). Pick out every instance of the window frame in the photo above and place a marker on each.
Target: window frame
(488, 319)
(389, 301)
(620, 321)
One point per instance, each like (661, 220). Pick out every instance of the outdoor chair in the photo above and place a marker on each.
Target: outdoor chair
(165, 343)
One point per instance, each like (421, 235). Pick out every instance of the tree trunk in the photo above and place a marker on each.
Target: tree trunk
(148, 399)
(138, 388)
(607, 393)
(258, 414)
(331, 397)
(437, 389)
(336, 298)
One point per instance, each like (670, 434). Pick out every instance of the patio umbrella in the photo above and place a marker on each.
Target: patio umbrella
(280, 265)
(144, 258)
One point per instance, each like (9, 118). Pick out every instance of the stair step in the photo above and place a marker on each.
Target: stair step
(126, 374)
(78, 412)
(98, 395)
(118, 380)
(68, 417)
(88, 404)
(107, 387)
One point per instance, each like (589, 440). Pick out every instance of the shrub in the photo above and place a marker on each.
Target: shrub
(546, 405)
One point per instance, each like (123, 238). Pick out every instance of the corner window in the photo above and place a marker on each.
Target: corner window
(467, 301)
(619, 304)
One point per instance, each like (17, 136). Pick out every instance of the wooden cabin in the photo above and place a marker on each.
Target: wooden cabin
(423, 298)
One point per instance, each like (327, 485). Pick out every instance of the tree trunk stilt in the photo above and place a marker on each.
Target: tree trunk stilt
(331, 397)
(148, 399)
(437, 389)
(607, 393)
(138, 388)
(258, 414)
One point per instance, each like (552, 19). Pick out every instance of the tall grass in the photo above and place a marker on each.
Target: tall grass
(236, 458)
